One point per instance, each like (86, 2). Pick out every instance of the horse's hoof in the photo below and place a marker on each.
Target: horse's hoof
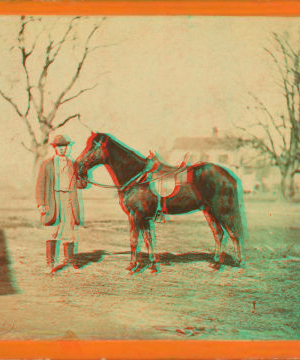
(136, 269)
(215, 267)
(153, 268)
(217, 257)
(242, 263)
(131, 266)
(222, 257)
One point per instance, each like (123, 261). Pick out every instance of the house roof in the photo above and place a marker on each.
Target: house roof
(206, 143)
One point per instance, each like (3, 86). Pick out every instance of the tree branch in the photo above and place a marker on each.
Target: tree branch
(24, 58)
(258, 142)
(277, 127)
(291, 49)
(284, 50)
(63, 39)
(65, 121)
(78, 94)
(29, 127)
(25, 55)
(27, 148)
(104, 46)
(284, 78)
(42, 79)
(289, 92)
(11, 103)
(85, 125)
(58, 102)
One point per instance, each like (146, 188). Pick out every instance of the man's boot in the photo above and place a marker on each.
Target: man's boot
(50, 255)
(69, 253)
(69, 248)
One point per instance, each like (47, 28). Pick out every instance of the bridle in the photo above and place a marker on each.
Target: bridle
(96, 147)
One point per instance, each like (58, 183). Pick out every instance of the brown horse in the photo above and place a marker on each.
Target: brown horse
(208, 188)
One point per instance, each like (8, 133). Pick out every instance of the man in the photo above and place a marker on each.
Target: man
(57, 201)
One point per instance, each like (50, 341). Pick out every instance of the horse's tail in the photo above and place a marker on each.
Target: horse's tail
(241, 219)
(222, 192)
(240, 226)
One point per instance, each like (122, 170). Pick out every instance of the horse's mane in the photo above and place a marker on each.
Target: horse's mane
(104, 137)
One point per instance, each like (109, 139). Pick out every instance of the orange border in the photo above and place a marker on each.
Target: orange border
(136, 7)
(145, 350)
(142, 350)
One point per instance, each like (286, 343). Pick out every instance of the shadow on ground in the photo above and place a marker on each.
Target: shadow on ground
(84, 259)
(7, 286)
(170, 259)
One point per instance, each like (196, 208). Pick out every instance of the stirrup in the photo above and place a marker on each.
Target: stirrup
(158, 216)
(165, 217)
(161, 217)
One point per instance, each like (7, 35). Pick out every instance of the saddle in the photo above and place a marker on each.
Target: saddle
(164, 178)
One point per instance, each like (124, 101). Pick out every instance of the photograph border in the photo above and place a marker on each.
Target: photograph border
(152, 349)
(150, 7)
(160, 349)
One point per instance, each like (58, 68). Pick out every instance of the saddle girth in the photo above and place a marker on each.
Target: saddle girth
(161, 215)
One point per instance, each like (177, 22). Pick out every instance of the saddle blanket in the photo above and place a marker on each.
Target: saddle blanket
(165, 186)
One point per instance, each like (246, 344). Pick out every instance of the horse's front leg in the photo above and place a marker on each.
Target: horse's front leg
(134, 243)
(148, 239)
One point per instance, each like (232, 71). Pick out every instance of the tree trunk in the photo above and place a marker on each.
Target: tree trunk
(39, 157)
(287, 184)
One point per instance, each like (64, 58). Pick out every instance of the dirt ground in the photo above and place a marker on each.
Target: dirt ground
(188, 298)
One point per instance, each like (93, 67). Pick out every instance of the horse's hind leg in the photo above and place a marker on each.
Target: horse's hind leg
(218, 233)
(236, 240)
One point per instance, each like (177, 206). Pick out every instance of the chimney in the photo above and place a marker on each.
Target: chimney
(215, 132)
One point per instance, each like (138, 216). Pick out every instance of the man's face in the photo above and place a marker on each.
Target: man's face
(60, 150)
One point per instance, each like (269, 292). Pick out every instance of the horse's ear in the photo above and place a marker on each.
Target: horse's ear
(94, 133)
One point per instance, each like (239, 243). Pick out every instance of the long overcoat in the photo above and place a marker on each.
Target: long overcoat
(45, 194)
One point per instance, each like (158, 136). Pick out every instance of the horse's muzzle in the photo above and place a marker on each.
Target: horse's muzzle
(81, 177)
(81, 184)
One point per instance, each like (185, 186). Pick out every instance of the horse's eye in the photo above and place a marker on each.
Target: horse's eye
(96, 145)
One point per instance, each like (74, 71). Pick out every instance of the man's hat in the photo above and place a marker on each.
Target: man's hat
(60, 140)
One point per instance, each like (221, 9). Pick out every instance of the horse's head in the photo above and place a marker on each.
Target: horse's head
(94, 154)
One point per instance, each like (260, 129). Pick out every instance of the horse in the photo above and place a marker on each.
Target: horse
(209, 188)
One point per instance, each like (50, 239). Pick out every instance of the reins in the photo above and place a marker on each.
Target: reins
(135, 180)
(129, 184)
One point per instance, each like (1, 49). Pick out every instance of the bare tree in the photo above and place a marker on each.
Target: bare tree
(40, 113)
(277, 136)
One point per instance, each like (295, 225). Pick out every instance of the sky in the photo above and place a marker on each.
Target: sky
(158, 78)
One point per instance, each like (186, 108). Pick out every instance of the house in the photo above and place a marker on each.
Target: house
(251, 167)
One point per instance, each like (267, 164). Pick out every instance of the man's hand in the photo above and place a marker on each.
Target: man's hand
(81, 184)
(43, 209)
